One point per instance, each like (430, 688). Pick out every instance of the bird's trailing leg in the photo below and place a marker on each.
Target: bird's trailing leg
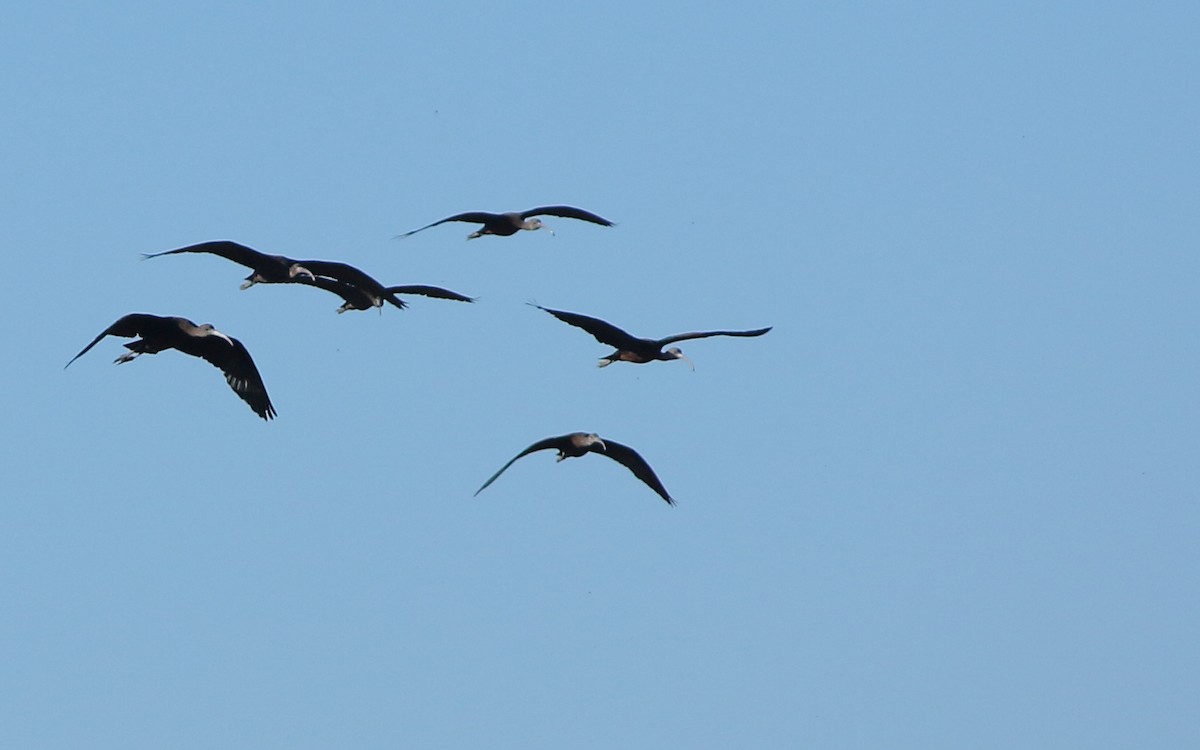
(141, 346)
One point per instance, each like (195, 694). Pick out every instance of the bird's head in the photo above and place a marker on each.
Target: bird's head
(676, 353)
(537, 224)
(210, 330)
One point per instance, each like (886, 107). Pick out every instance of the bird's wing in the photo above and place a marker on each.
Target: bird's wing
(348, 274)
(348, 292)
(239, 369)
(633, 461)
(126, 326)
(429, 291)
(567, 212)
(343, 272)
(478, 217)
(605, 333)
(329, 284)
(551, 442)
(239, 254)
(706, 334)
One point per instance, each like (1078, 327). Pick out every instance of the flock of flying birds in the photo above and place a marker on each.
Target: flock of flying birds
(359, 291)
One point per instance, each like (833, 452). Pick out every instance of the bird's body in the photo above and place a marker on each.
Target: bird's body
(348, 275)
(508, 224)
(630, 348)
(159, 333)
(576, 444)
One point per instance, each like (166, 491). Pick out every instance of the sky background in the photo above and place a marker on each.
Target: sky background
(949, 501)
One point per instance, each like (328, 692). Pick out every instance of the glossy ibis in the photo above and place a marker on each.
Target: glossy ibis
(632, 349)
(510, 223)
(268, 269)
(576, 444)
(278, 269)
(357, 298)
(159, 333)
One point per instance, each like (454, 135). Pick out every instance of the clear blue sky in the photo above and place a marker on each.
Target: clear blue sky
(949, 501)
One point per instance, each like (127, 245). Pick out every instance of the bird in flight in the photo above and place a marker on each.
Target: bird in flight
(158, 333)
(507, 224)
(267, 269)
(576, 444)
(358, 290)
(357, 298)
(630, 348)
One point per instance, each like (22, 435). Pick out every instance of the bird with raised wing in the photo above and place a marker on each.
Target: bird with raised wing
(576, 444)
(159, 333)
(507, 224)
(630, 348)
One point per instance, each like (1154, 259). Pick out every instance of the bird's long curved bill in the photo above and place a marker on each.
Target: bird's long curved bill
(685, 358)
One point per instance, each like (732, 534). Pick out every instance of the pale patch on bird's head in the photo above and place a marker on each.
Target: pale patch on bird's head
(537, 224)
(676, 353)
(210, 330)
(593, 439)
